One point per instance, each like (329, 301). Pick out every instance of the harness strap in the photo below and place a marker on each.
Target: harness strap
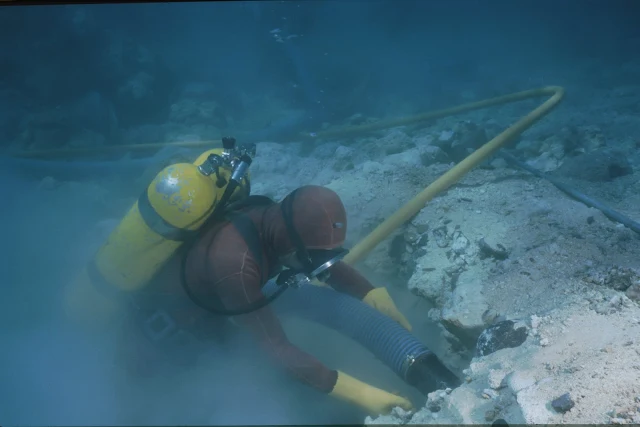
(249, 233)
(159, 225)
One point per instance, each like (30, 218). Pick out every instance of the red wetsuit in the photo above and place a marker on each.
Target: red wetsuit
(221, 266)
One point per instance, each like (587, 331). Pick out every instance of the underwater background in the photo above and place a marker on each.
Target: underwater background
(502, 243)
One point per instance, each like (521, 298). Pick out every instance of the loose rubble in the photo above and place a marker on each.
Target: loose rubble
(587, 374)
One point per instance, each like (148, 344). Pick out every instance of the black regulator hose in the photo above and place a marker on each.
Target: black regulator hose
(607, 211)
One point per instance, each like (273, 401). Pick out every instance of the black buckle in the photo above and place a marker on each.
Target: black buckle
(159, 326)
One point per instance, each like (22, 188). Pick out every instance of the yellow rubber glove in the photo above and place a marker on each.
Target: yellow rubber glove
(373, 400)
(317, 282)
(379, 299)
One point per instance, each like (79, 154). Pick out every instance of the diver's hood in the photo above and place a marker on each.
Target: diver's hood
(324, 216)
(311, 217)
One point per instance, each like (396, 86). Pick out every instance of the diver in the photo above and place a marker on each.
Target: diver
(226, 267)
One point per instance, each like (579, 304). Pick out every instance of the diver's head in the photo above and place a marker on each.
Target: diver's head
(310, 230)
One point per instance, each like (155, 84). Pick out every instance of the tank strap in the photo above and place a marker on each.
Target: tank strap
(252, 200)
(155, 222)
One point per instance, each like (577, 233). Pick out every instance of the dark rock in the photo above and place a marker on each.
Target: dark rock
(397, 248)
(490, 415)
(620, 278)
(467, 336)
(431, 155)
(563, 403)
(420, 252)
(498, 252)
(633, 292)
(501, 335)
(434, 406)
(466, 138)
(598, 166)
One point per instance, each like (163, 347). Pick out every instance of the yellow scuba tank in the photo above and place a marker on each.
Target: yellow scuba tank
(169, 212)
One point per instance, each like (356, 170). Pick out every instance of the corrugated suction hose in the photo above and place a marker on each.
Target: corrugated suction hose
(382, 336)
(391, 343)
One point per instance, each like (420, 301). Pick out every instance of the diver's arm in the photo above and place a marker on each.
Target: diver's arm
(348, 280)
(239, 290)
(266, 328)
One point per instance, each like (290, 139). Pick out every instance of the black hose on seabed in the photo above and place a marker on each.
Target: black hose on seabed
(607, 211)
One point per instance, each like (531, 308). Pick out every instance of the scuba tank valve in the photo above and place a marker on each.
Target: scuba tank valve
(235, 158)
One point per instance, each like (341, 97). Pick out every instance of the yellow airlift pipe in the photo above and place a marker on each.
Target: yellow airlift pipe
(555, 94)
(454, 174)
